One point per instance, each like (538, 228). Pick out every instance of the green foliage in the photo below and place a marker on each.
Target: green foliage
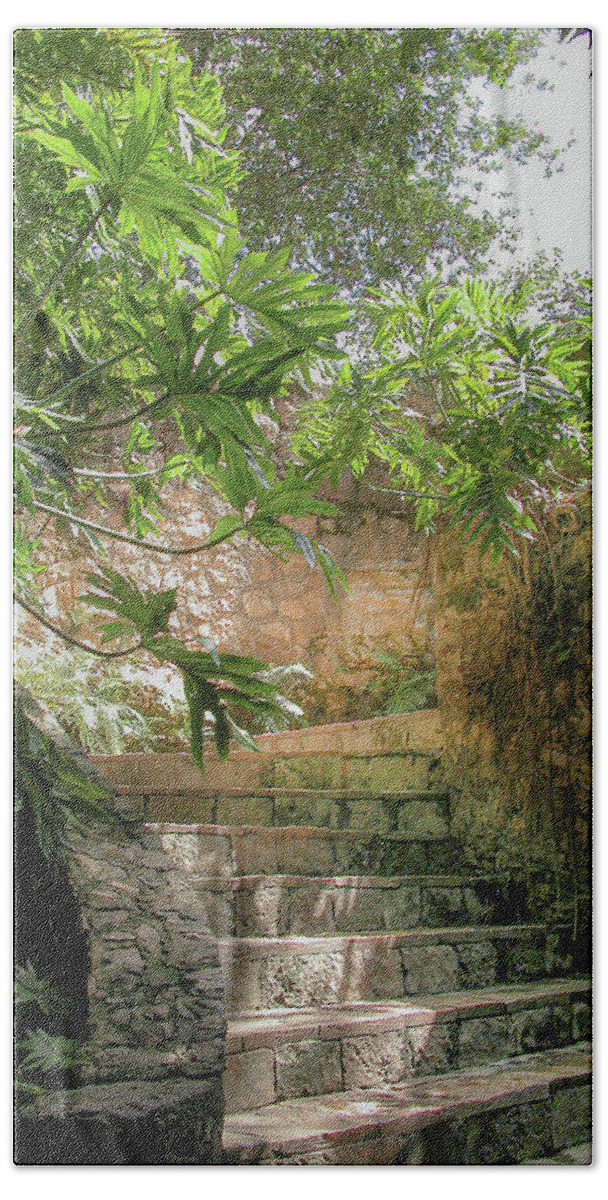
(29, 988)
(108, 707)
(45, 1052)
(359, 145)
(54, 786)
(139, 310)
(212, 681)
(478, 406)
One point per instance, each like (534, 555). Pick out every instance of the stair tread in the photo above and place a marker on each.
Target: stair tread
(302, 1124)
(273, 831)
(388, 882)
(268, 1027)
(326, 942)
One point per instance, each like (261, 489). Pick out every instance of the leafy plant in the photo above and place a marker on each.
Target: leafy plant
(127, 239)
(478, 406)
(29, 988)
(363, 146)
(212, 682)
(54, 786)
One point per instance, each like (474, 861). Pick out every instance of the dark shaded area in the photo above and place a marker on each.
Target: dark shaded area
(132, 1124)
(48, 933)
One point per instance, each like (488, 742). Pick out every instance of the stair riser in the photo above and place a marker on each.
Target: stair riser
(339, 1059)
(269, 907)
(289, 975)
(507, 1134)
(226, 852)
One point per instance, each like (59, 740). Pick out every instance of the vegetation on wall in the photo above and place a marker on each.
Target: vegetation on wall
(137, 303)
(516, 709)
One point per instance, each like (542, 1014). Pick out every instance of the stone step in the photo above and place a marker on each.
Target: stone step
(227, 850)
(524, 1108)
(572, 1156)
(334, 969)
(283, 1054)
(416, 813)
(276, 905)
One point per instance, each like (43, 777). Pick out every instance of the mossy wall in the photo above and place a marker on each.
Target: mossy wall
(513, 681)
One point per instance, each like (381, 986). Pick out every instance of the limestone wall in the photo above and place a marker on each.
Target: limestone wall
(155, 1016)
(250, 602)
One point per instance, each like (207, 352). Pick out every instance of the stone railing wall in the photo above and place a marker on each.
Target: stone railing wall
(151, 1091)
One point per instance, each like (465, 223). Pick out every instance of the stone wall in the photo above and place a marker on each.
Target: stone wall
(513, 680)
(151, 1090)
(250, 602)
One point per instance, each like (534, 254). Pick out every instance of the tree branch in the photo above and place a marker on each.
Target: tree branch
(68, 638)
(63, 265)
(123, 474)
(119, 537)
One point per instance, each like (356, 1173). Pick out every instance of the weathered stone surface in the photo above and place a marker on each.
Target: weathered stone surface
(301, 981)
(429, 969)
(571, 1116)
(375, 1061)
(482, 1040)
(432, 1048)
(581, 1022)
(307, 1068)
(248, 1080)
(478, 964)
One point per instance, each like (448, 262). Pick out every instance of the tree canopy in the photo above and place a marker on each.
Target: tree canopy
(137, 305)
(362, 146)
(144, 317)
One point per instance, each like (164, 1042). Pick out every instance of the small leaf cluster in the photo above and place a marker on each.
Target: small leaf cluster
(478, 406)
(213, 682)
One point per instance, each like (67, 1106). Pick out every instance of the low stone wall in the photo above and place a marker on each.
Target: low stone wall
(384, 755)
(151, 1091)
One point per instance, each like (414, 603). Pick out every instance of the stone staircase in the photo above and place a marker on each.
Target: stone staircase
(384, 1006)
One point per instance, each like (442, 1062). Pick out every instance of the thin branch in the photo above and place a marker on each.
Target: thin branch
(405, 494)
(120, 537)
(123, 474)
(68, 638)
(63, 265)
(78, 379)
(146, 408)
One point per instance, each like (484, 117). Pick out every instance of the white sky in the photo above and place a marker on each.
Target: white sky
(555, 211)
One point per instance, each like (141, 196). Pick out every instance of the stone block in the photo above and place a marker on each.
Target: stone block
(422, 819)
(571, 1116)
(301, 980)
(303, 810)
(180, 809)
(304, 853)
(532, 1030)
(581, 1022)
(374, 909)
(432, 1047)
(482, 1040)
(308, 1068)
(525, 958)
(441, 906)
(429, 969)
(199, 854)
(244, 810)
(372, 971)
(259, 909)
(375, 1061)
(368, 815)
(219, 917)
(478, 964)
(309, 771)
(312, 909)
(248, 1080)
